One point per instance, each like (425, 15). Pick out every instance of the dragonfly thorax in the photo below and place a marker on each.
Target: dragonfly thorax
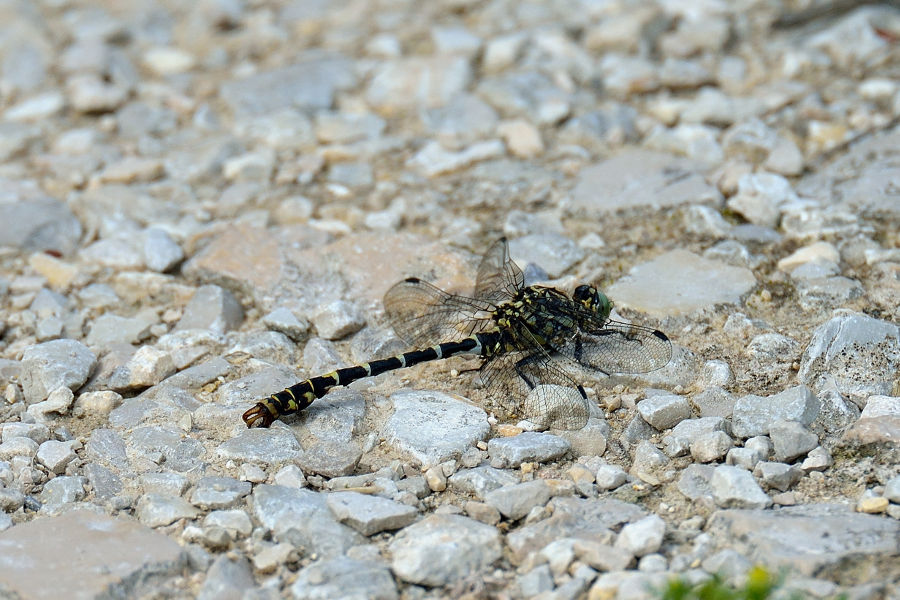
(532, 315)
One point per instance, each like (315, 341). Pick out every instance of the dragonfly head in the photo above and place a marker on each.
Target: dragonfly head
(593, 300)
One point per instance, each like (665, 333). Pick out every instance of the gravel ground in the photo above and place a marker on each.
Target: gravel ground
(203, 203)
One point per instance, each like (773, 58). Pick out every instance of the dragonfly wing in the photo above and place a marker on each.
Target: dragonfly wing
(531, 386)
(498, 278)
(619, 348)
(423, 315)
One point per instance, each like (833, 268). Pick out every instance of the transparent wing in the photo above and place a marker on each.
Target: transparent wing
(530, 386)
(498, 277)
(618, 348)
(423, 315)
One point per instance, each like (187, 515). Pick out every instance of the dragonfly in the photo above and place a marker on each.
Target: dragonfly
(530, 339)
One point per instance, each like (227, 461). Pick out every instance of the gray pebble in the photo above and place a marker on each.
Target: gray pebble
(271, 446)
(286, 322)
(778, 475)
(105, 483)
(48, 366)
(64, 489)
(733, 487)
(753, 415)
(309, 83)
(678, 441)
(746, 458)
(337, 320)
(161, 252)
(860, 353)
(36, 431)
(36, 224)
(711, 446)
(59, 401)
(510, 452)
(536, 581)
(642, 537)
(727, 563)
(441, 549)
(227, 577)
(369, 514)
(671, 283)
(419, 425)
(344, 577)
(11, 500)
(818, 459)
(515, 501)
(212, 308)
(480, 481)
(56, 455)
(552, 252)
(320, 356)
(892, 489)
(646, 460)
(235, 521)
(158, 510)
(107, 447)
(791, 440)
(215, 493)
(18, 446)
(109, 329)
(609, 477)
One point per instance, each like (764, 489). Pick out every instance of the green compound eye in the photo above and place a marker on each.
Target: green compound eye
(593, 300)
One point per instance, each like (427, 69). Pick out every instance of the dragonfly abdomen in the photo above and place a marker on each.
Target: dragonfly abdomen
(299, 396)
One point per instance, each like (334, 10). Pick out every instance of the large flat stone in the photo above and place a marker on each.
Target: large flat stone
(82, 554)
(808, 538)
(680, 282)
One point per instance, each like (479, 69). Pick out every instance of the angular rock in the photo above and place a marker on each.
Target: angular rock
(215, 493)
(302, 517)
(212, 308)
(642, 537)
(754, 415)
(309, 83)
(791, 440)
(679, 440)
(227, 579)
(711, 446)
(733, 487)
(510, 452)
(694, 483)
(369, 514)
(861, 355)
(337, 320)
(552, 252)
(778, 475)
(54, 364)
(420, 425)
(665, 410)
(344, 577)
(271, 446)
(482, 480)
(157, 510)
(441, 549)
(62, 490)
(56, 455)
(516, 501)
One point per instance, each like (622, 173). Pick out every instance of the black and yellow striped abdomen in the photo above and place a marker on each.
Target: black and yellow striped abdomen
(301, 395)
